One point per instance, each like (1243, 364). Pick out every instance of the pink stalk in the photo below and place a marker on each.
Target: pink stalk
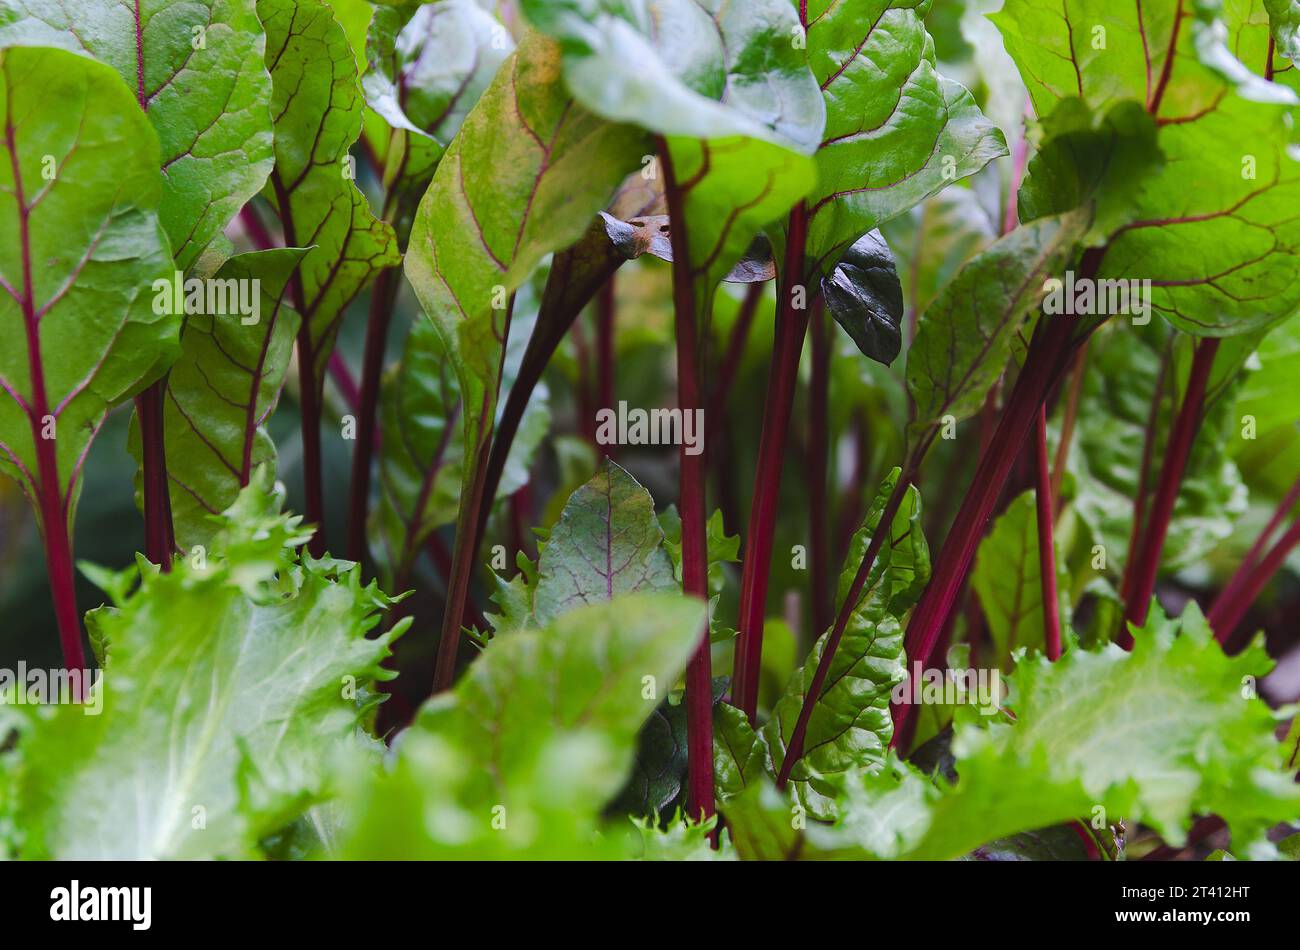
(692, 475)
(1146, 562)
(791, 324)
(159, 545)
(1144, 476)
(1228, 611)
(49, 494)
(338, 370)
(1046, 547)
(1252, 557)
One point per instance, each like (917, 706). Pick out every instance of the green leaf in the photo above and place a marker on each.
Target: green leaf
(421, 465)
(196, 69)
(1008, 580)
(318, 108)
(75, 268)
(1284, 15)
(762, 823)
(520, 757)
(1269, 395)
(964, 340)
(222, 390)
(681, 840)
(896, 131)
(1213, 229)
(723, 548)
(600, 654)
(658, 778)
(865, 297)
(692, 69)
(225, 696)
(607, 542)
(1096, 162)
(427, 66)
(1157, 735)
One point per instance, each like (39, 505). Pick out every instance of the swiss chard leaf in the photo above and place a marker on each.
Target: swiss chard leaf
(427, 66)
(80, 191)
(1213, 229)
(896, 130)
(317, 105)
(865, 297)
(933, 241)
(1114, 412)
(229, 687)
(606, 543)
(196, 68)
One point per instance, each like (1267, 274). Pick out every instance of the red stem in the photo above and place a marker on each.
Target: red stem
(791, 324)
(158, 530)
(310, 410)
(1144, 475)
(50, 498)
(382, 297)
(818, 450)
(1228, 612)
(553, 322)
(1046, 546)
(1248, 563)
(692, 475)
(1146, 562)
(1010, 214)
(882, 533)
(465, 554)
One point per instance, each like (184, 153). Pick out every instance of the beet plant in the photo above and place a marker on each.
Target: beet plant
(760, 430)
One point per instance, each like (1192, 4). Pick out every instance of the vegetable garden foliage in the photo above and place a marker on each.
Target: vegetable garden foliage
(1053, 457)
